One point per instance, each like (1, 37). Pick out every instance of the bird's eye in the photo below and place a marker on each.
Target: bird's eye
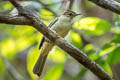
(70, 14)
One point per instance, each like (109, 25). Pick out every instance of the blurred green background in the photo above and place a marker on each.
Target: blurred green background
(96, 32)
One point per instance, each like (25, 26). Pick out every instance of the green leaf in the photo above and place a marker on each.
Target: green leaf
(116, 28)
(106, 49)
(89, 47)
(114, 56)
(7, 6)
(54, 73)
(92, 25)
(116, 39)
(106, 67)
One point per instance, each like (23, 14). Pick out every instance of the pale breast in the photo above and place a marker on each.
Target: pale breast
(62, 27)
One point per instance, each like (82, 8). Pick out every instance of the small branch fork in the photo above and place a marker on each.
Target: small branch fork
(28, 18)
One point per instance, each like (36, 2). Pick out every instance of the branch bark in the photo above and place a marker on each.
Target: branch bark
(34, 21)
(15, 20)
(111, 5)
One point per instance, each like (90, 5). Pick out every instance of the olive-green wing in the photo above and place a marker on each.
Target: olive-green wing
(50, 25)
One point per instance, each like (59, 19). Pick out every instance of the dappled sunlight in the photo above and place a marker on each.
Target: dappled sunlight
(96, 33)
(32, 57)
(92, 25)
(23, 42)
(107, 51)
(89, 47)
(7, 6)
(103, 52)
(75, 37)
(47, 14)
(54, 73)
(8, 48)
(57, 55)
(116, 30)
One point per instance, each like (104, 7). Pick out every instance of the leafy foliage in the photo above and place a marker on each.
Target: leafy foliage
(19, 44)
(92, 25)
(54, 73)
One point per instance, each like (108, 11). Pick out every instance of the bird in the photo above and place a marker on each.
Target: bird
(61, 25)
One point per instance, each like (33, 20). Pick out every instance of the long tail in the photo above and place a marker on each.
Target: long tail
(38, 68)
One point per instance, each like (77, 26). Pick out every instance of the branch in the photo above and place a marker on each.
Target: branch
(17, 20)
(59, 41)
(71, 2)
(46, 6)
(111, 5)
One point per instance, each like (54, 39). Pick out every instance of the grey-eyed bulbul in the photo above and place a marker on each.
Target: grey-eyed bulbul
(60, 25)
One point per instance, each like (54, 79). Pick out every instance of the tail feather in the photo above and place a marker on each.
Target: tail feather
(38, 68)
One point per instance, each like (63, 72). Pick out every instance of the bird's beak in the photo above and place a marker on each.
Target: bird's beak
(77, 14)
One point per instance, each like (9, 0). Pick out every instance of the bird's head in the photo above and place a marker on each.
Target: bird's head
(71, 14)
